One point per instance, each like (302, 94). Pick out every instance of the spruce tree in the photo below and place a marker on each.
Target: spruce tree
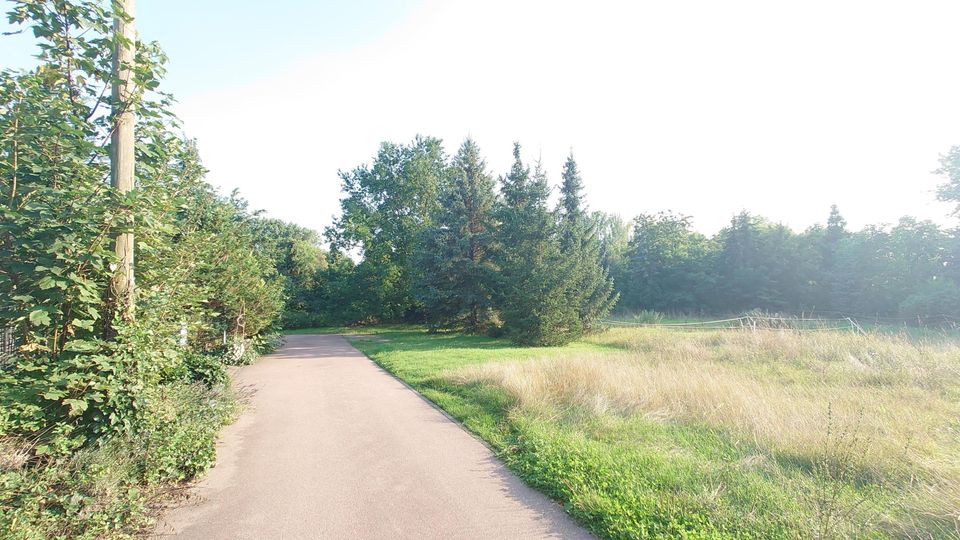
(591, 290)
(456, 254)
(572, 207)
(532, 291)
(830, 244)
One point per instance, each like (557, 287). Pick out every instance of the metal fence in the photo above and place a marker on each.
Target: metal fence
(752, 322)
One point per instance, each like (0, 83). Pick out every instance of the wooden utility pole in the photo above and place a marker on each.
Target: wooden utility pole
(122, 146)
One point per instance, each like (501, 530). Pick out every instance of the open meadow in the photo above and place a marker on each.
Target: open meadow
(652, 432)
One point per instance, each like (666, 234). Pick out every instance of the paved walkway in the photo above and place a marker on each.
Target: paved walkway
(332, 446)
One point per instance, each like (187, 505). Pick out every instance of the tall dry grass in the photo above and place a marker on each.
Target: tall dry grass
(779, 390)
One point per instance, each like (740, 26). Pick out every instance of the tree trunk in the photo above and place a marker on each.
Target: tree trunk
(122, 149)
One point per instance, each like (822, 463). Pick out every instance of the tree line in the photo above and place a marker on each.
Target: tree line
(426, 238)
(440, 240)
(908, 271)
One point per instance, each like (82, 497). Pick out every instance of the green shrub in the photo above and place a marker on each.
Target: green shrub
(177, 436)
(203, 368)
(98, 409)
(292, 320)
(105, 490)
(934, 302)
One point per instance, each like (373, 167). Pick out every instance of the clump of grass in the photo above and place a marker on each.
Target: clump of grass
(14, 453)
(647, 316)
(786, 395)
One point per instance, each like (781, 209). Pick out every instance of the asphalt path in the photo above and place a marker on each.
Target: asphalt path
(332, 446)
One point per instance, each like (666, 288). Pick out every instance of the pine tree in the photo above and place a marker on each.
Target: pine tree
(742, 269)
(532, 291)
(456, 254)
(571, 192)
(836, 225)
(830, 283)
(591, 289)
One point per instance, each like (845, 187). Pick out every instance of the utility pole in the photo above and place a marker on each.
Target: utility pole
(122, 146)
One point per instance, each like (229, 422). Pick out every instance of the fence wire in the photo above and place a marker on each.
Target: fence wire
(752, 322)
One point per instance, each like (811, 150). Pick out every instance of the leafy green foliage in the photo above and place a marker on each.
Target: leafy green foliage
(299, 260)
(949, 191)
(385, 208)
(666, 264)
(84, 381)
(478, 264)
(106, 490)
(907, 272)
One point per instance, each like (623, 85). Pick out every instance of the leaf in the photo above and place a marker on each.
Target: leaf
(53, 395)
(39, 317)
(77, 406)
(80, 345)
(85, 324)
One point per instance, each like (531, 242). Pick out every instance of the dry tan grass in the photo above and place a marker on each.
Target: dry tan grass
(14, 453)
(771, 388)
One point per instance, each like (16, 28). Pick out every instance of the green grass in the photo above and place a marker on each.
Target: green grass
(630, 472)
(621, 483)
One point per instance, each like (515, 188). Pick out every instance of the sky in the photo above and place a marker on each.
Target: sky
(700, 107)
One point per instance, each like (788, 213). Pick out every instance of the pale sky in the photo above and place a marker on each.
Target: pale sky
(704, 108)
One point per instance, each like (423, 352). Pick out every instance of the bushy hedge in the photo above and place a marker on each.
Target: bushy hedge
(99, 409)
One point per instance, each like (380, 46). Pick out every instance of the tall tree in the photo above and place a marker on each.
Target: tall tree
(828, 243)
(614, 241)
(836, 225)
(949, 191)
(572, 207)
(456, 258)
(386, 206)
(591, 292)
(741, 270)
(532, 290)
(669, 265)
(298, 258)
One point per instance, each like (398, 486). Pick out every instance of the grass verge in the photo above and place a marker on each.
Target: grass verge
(645, 433)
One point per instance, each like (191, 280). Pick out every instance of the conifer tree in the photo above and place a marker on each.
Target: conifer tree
(532, 291)
(830, 244)
(571, 192)
(456, 254)
(591, 289)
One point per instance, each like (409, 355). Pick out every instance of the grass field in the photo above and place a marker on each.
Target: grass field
(711, 434)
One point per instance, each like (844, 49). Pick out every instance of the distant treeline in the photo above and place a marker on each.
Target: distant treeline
(907, 271)
(423, 237)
